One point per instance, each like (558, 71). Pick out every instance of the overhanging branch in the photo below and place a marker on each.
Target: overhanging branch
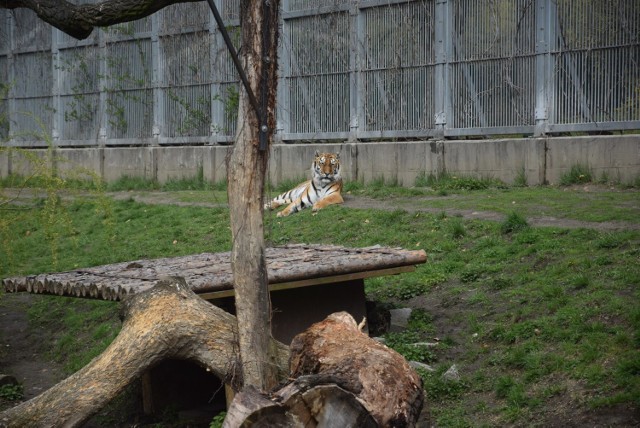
(78, 21)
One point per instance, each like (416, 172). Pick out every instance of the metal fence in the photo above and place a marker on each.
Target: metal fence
(357, 70)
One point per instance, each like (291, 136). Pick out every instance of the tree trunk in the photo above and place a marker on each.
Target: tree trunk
(168, 321)
(342, 378)
(246, 176)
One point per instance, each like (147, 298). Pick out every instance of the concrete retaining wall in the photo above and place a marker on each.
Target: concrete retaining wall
(541, 160)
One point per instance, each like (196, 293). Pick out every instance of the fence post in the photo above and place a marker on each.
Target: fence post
(356, 55)
(56, 99)
(102, 90)
(157, 74)
(441, 68)
(11, 75)
(544, 81)
(217, 110)
(283, 101)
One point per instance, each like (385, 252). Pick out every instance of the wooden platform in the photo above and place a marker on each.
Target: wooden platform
(209, 274)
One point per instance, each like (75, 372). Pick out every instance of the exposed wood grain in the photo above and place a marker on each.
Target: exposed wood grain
(167, 322)
(290, 265)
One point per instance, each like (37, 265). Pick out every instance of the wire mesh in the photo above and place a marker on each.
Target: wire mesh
(360, 68)
(318, 84)
(78, 73)
(397, 67)
(597, 60)
(492, 70)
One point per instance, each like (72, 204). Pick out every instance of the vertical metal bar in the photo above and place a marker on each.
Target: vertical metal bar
(57, 121)
(543, 59)
(356, 44)
(102, 90)
(284, 54)
(157, 75)
(441, 87)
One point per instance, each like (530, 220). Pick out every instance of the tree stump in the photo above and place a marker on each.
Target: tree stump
(342, 378)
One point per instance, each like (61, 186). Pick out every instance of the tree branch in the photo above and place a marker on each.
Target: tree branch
(78, 21)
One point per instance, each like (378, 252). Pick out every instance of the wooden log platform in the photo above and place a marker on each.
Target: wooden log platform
(210, 276)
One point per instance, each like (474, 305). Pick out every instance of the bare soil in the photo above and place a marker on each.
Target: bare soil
(23, 350)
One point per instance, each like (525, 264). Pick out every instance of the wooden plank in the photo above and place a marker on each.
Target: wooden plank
(316, 281)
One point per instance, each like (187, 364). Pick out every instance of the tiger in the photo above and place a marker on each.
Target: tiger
(323, 189)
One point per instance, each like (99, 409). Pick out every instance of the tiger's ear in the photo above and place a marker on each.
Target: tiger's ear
(338, 155)
(317, 153)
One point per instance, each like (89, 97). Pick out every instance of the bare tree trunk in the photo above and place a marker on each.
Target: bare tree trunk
(246, 177)
(168, 321)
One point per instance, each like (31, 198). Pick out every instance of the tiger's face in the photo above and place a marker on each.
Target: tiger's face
(326, 166)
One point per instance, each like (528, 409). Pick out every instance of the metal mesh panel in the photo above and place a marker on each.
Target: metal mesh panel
(228, 82)
(296, 5)
(33, 74)
(30, 33)
(230, 10)
(492, 76)
(598, 85)
(78, 70)
(4, 93)
(597, 74)
(186, 16)
(493, 93)
(5, 42)
(398, 81)
(81, 118)
(186, 59)
(188, 111)
(130, 114)
(319, 82)
(127, 30)
(129, 64)
(228, 97)
(586, 24)
(493, 28)
(129, 107)
(32, 119)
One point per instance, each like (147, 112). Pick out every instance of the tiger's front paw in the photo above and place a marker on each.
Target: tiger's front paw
(282, 214)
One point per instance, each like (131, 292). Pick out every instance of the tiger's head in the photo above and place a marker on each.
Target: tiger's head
(326, 167)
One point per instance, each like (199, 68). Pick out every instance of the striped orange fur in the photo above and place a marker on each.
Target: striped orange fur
(323, 189)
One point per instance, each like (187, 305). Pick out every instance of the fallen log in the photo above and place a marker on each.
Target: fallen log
(338, 375)
(167, 321)
(342, 378)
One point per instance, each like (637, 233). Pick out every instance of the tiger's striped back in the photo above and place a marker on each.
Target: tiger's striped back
(323, 189)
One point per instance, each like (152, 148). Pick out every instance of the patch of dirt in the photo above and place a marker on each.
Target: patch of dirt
(22, 352)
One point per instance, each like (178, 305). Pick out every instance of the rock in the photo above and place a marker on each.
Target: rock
(452, 374)
(399, 319)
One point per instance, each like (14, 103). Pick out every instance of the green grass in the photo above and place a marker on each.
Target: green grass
(532, 317)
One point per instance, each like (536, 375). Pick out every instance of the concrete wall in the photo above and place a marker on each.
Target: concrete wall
(542, 160)
(617, 157)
